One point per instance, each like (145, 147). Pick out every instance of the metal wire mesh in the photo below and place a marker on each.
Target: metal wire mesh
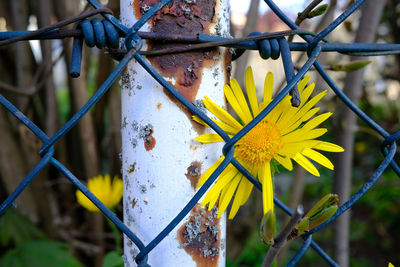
(314, 44)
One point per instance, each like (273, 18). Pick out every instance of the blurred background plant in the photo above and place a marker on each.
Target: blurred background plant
(72, 236)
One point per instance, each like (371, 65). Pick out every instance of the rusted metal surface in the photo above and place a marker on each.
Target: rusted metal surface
(200, 236)
(182, 17)
(194, 173)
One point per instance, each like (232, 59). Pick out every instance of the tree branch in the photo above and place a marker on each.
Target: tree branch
(281, 239)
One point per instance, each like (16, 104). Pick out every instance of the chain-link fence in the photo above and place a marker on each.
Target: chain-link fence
(270, 45)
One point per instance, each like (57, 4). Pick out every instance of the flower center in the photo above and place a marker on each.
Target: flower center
(261, 144)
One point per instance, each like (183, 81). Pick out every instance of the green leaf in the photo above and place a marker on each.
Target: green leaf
(11, 258)
(113, 259)
(16, 227)
(356, 65)
(40, 253)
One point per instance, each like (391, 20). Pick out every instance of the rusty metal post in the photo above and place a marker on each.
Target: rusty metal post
(161, 161)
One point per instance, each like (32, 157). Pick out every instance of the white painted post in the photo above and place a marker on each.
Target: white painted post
(161, 161)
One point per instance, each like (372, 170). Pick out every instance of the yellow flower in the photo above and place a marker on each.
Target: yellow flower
(286, 133)
(101, 187)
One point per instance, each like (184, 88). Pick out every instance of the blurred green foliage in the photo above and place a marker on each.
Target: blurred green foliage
(113, 259)
(23, 244)
(16, 228)
(40, 253)
(253, 253)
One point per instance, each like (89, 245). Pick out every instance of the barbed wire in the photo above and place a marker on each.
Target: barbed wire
(108, 32)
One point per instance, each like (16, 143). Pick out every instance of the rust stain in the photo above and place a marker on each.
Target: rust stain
(200, 236)
(159, 106)
(194, 148)
(193, 173)
(149, 143)
(133, 204)
(146, 133)
(182, 17)
(131, 168)
(228, 65)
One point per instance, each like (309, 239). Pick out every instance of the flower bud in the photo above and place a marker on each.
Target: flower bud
(318, 11)
(323, 216)
(267, 228)
(321, 212)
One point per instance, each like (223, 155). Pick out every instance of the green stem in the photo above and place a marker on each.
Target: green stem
(117, 237)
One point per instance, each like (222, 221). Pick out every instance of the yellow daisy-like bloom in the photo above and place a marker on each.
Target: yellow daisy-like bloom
(286, 133)
(108, 193)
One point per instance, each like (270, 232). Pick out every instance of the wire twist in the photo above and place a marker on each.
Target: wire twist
(267, 48)
(96, 32)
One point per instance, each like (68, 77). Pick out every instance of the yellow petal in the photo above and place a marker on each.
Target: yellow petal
(209, 138)
(291, 149)
(293, 115)
(267, 191)
(310, 103)
(234, 102)
(109, 193)
(280, 109)
(248, 188)
(227, 196)
(301, 135)
(285, 162)
(306, 94)
(315, 133)
(251, 91)
(326, 146)
(117, 191)
(221, 113)
(306, 164)
(242, 195)
(318, 157)
(287, 116)
(85, 202)
(253, 170)
(237, 200)
(292, 137)
(303, 110)
(242, 100)
(198, 120)
(309, 114)
(209, 171)
(299, 121)
(268, 87)
(311, 124)
(109, 185)
(226, 176)
(303, 83)
(226, 127)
